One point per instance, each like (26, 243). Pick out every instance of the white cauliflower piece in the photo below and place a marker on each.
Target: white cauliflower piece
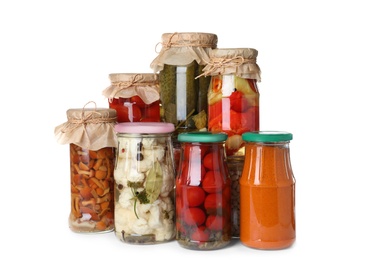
(155, 153)
(166, 231)
(141, 227)
(120, 176)
(144, 165)
(128, 147)
(148, 143)
(143, 210)
(124, 219)
(126, 197)
(156, 218)
(134, 176)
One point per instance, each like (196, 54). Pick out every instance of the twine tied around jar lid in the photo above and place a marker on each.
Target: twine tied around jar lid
(90, 128)
(182, 48)
(238, 61)
(126, 85)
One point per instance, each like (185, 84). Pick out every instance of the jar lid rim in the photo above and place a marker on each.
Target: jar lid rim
(267, 136)
(202, 137)
(144, 127)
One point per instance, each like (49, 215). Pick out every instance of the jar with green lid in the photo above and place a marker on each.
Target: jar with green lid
(267, 187)
(135, 97)
(203, 217)
(233, 107)
(144, 183)
(92, 142)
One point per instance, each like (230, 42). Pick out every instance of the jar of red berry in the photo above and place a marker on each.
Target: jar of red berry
(203, 210)
(135, 96)
(233, 108)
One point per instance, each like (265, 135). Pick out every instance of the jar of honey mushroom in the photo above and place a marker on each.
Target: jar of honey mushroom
(267, 187)
(92, 142)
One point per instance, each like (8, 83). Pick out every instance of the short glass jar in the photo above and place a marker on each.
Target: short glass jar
(92, 142)
(144, 183)
(203, 192)
(267, 188)
(135, 97)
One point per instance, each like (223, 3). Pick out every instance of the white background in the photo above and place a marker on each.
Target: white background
(325, 78)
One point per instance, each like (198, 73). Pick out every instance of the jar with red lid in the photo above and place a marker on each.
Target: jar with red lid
(135, 97)
(144, 183)
(92, 147)
(203, 217)
(233, 108)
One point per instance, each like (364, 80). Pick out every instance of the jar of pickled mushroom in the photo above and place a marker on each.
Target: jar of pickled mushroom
(203, 217)
(233, 107)
(92, 142)
(135, 97)
(184, 96)
(267, 187)
(144, 183)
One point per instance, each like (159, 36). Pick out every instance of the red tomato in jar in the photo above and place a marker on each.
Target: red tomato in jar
(151, 112)
(122, 113)
(194, 216)
(195, 195)
(212, 182)
(214, 222)
(200, 234)
(238, 102)
(138, 101)
(214, 202)
(210, 161)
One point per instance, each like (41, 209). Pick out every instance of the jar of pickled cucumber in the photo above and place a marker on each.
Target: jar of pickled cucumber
(184, 96)
(135, 97)
(92, 142)
(144, 183)
(233, 107)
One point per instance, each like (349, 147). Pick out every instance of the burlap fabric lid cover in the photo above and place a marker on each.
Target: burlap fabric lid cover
(89, 128)
(238, 61)
(183, 48)
(126, 85)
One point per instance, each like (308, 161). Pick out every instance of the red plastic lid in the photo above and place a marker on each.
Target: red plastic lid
(144, 127)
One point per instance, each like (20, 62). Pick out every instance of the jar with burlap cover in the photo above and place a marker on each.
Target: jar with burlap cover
(233, 101)
(135, 96)
(92, 140)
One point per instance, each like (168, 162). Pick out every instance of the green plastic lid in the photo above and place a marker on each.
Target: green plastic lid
(202, 137)
(267, 136)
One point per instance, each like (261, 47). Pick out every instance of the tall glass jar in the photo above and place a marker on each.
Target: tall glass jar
(92, 142)
(267, 187)
(144, 183)
(135, 97)
(203, 217)
(183, 95)
(233, 108)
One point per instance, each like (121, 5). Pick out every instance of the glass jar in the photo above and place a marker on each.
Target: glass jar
(267, 187)
(144, 183)
(135, 97)
(233, 108)
(203, 217)
(92, 141)
(184, 95)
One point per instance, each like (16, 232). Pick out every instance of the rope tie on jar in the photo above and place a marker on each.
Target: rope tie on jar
(120, 85)
(74, 123)
(174, 44)
(221, 63)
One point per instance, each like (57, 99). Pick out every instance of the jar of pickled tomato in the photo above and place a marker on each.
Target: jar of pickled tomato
(267, 187)
(203, 210)
(144, 183)
(233, 108)
(92, 142)
(135, 97)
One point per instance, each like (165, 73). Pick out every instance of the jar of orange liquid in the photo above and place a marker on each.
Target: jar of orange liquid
(267, 186)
